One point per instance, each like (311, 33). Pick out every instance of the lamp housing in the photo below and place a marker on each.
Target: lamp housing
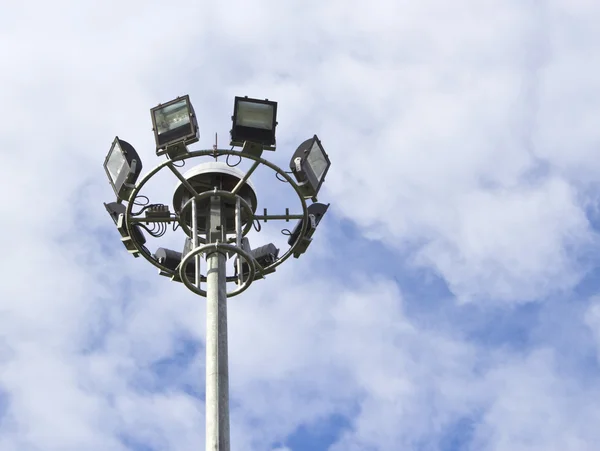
(175, 126)
(117, 211)
(316, 212)
(254, 121)
(172, 259)
(310, 164)
(123, 166)
(264, 256)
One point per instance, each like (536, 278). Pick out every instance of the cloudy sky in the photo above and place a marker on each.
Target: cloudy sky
(451, 298)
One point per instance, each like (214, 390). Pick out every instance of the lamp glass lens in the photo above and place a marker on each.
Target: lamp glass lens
(316, 160)
(255, 115)
(116, 162)
(172, 117)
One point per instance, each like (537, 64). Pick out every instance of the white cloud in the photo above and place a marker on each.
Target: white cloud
(510, 243)
(536, 408)
(462, 132)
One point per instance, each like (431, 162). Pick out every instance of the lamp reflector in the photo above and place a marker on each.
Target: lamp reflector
(122, 166)
(172, 116)
(316, 159)
(254, 121)
(116, 162)
(255, 115)
(175, 126)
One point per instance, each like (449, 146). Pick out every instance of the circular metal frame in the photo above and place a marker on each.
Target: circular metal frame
(209, 249)
(214, 153)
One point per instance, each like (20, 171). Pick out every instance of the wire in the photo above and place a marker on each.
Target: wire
(157, 230)
(175, 226)
(139, 204)
(257, 227)
(174, 162)
(286, 232)
(278, 175)
(232, 165)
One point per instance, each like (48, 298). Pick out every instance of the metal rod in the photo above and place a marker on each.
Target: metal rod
(238, 239)
(245, 178)
(217, 371)
(273, 217)
(195, 242)
(184, 182)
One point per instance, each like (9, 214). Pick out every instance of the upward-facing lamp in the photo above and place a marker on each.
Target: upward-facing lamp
(254, 123)
(175, 126)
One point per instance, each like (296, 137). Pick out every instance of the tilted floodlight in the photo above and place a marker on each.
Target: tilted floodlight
(264, 256)
(117, 213)
(175, 126)
(316, 212)
(254, 122)
(168, 258)
(310, 164)
(171, 259)
(122, 166)
(115, 209)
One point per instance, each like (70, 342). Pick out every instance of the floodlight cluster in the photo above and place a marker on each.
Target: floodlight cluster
(175, 127)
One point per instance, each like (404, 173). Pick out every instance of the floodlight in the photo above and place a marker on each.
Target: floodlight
(115, 209)
(264, 256)
(254, 121)
(316, 212)
(310, 164)
(168, 258)
(122, 166)
(117, 213)
(172, 259)
(175, 126)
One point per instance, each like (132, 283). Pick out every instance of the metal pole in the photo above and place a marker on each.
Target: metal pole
(217, 371)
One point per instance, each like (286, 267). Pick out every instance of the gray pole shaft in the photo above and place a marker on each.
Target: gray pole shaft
(217, 370)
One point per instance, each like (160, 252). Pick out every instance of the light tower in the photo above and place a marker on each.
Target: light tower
(215, 205)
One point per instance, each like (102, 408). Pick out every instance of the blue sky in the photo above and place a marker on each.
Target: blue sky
(450, 299)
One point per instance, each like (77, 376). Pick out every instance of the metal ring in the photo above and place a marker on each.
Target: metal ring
(201, 153)
(217, 247)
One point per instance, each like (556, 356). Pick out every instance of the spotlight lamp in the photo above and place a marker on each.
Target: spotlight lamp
(171, 259)
(310, 164)
(175, 126)
(316, 212)
(122, 166)
(264, 256)
(117, 213)
(254, 123)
